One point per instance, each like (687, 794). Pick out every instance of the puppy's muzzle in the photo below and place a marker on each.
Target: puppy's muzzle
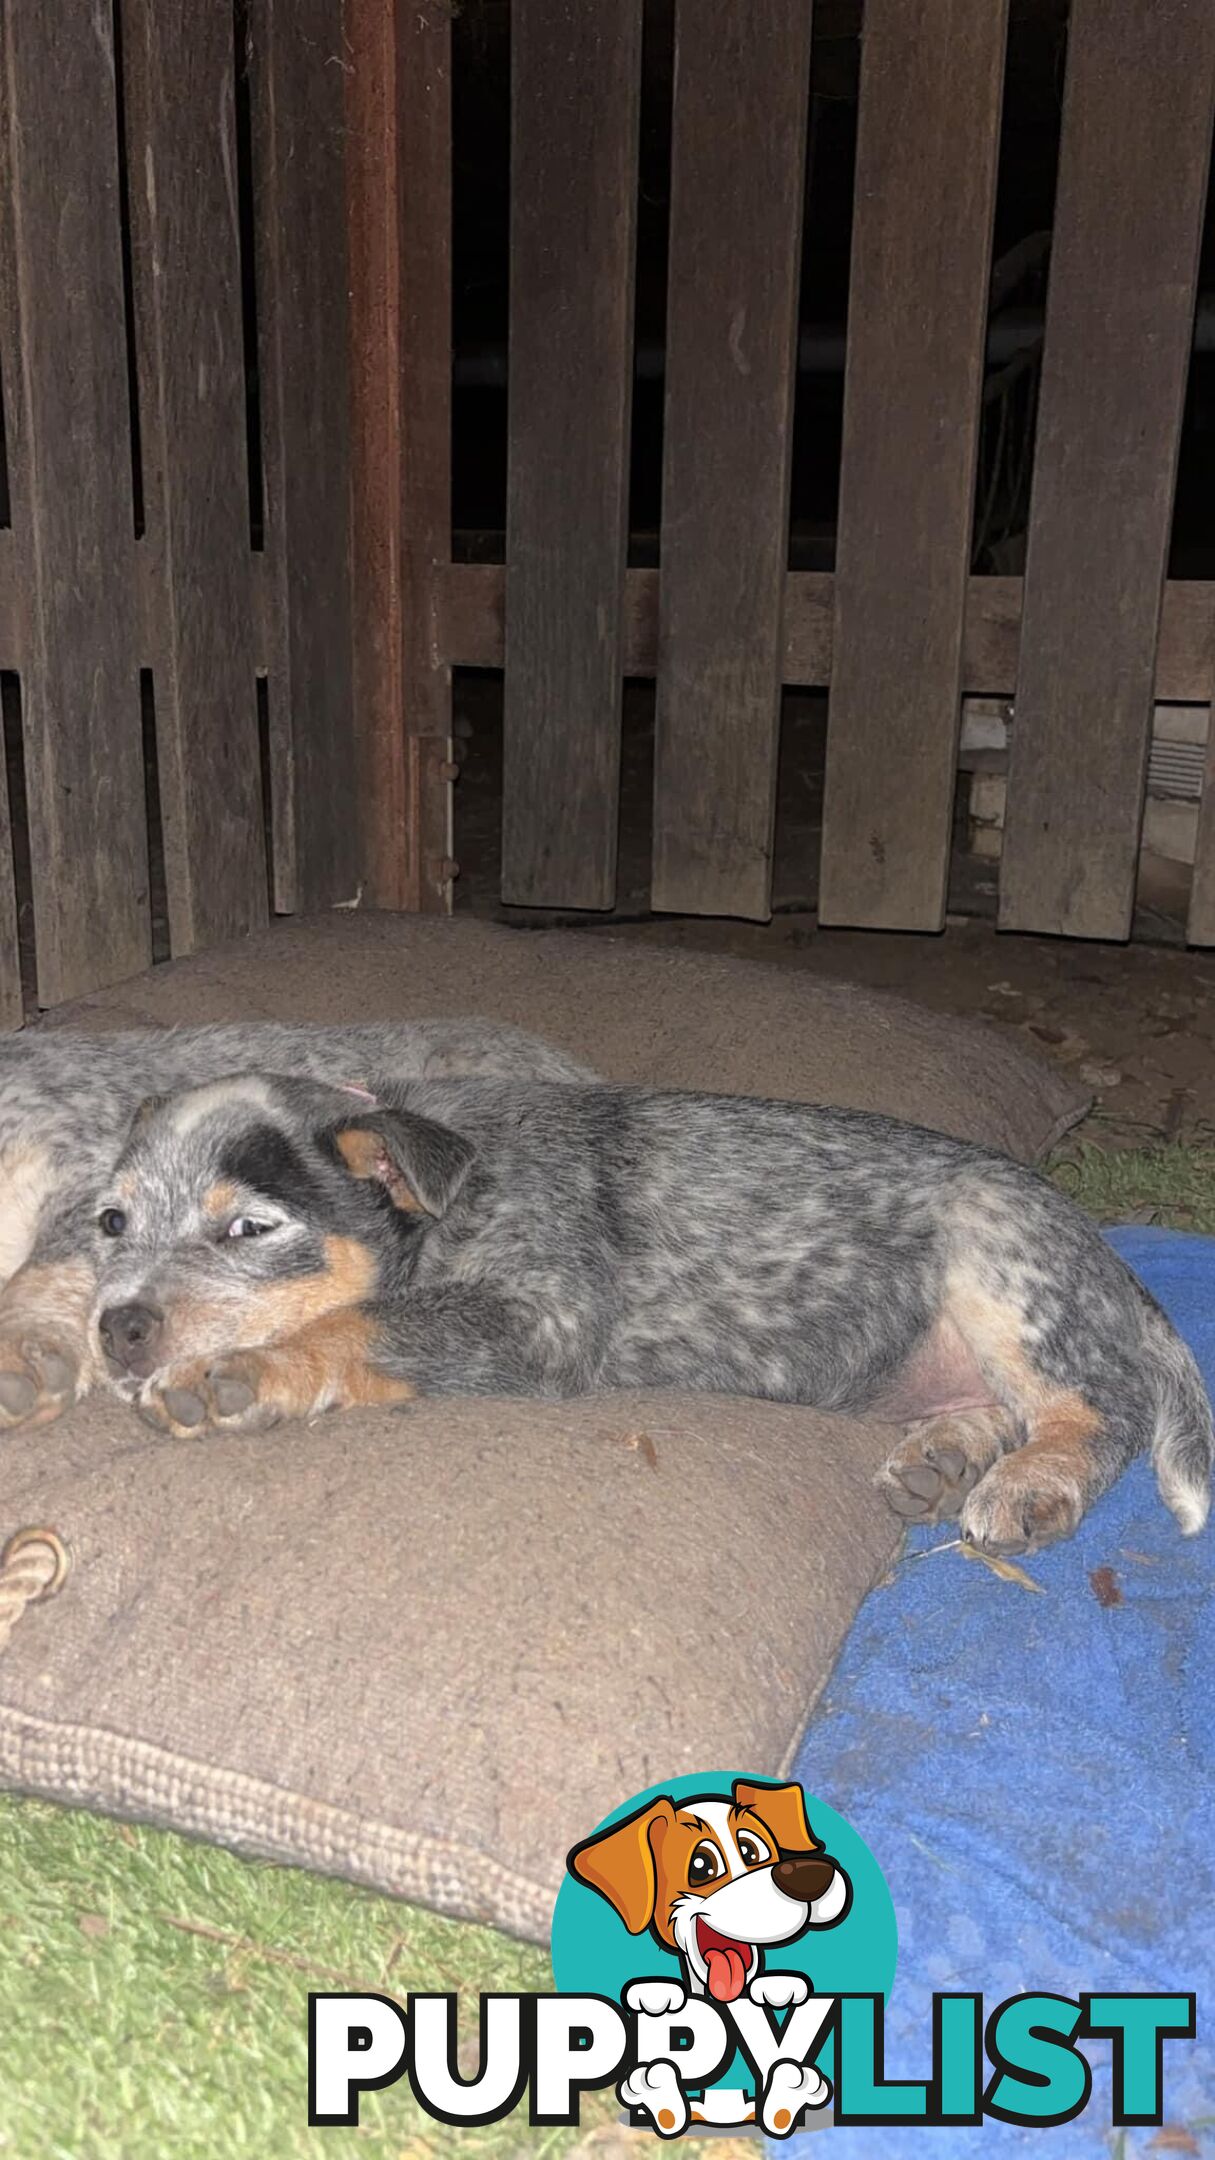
(803, 1876)
(130, 1335)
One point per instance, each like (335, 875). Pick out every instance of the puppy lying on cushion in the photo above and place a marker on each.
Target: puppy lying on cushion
(66, 1105)
(269, 1248)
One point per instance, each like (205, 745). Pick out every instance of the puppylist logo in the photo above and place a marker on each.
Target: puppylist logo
(723, 1948)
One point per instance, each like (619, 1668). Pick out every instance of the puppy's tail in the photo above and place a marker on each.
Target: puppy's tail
(1183, 1446)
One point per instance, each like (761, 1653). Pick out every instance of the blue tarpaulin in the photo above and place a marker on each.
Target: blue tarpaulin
(1036, 1776)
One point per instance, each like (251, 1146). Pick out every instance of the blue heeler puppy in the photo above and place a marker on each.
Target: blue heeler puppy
(66, 1107)
(269, 1248)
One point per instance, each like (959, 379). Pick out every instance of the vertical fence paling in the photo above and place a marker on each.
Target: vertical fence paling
(1132, 183)
(110, 407)
(179, 68)
(931, 77)
(737, 184)
(298, 61)
(398, 173)
(70, 466)
(576, 69)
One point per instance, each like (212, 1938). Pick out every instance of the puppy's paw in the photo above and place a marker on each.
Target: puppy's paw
(1026, 1501)
(655, 2089)
(41, 1374)
(241, 1392)
(1034, 1495)
(654, 1998)
(791, 2087)
(939, 1461)
(779, 1991)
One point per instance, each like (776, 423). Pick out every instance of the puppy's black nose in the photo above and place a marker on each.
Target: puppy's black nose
(804, 1876)
(130, 1334)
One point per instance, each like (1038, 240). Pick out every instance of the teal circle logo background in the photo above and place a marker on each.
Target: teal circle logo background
(594, 1954)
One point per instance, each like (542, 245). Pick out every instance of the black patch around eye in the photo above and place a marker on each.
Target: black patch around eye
(266, 1161)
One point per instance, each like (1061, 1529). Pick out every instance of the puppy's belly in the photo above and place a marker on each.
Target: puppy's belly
(939, 1378)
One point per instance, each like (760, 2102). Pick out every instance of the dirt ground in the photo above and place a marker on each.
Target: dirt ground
(1134, 1023)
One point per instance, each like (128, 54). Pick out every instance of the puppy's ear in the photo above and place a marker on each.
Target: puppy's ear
(420, 1165)
(783, 1808)
(619, 1863)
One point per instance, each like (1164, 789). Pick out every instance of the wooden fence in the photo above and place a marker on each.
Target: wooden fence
(175, 566)
(225, 269)
(901, 631)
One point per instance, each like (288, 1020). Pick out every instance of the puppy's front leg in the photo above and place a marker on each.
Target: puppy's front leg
(455, 1340)
(47, 1358)
(326, 1366)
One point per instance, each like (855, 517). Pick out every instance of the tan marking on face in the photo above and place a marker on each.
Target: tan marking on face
(366, 1156)
(219, 1201)
(267, 1312)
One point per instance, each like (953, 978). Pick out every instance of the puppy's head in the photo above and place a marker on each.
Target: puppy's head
(716, 1879)
(241, 1211)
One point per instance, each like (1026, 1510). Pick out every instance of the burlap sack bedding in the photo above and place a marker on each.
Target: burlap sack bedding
(430, 1650)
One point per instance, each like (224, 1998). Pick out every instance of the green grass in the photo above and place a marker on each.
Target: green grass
(1169, 1183)
(153, 1990)
(153, 1999)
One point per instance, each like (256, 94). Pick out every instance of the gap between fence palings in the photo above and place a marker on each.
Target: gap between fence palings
(398, 178)
(1137, 116)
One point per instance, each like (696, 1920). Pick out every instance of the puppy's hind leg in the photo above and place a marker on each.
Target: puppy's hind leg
(1080, 1402)
(939, 1460)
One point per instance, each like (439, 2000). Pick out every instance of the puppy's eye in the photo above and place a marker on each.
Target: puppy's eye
(111, 1222)
(752, 1850)
(706, 1864)
(245, 1226)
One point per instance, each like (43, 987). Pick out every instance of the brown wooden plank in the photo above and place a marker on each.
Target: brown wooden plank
(929, 125)
(185, 248)
(70, 475)
(737, 185)
(470, 606)
(1138, 103)
(576, 73)
(1200, 922)
(398, 195)
(11, 579)
(304, 350)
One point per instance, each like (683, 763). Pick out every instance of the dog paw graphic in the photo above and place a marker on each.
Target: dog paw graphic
(655, 2089)
(228, 1394)
(654, 1998)
(791, 2087)
(779, 1991)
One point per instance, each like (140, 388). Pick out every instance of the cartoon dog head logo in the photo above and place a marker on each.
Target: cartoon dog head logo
(717, 1881)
